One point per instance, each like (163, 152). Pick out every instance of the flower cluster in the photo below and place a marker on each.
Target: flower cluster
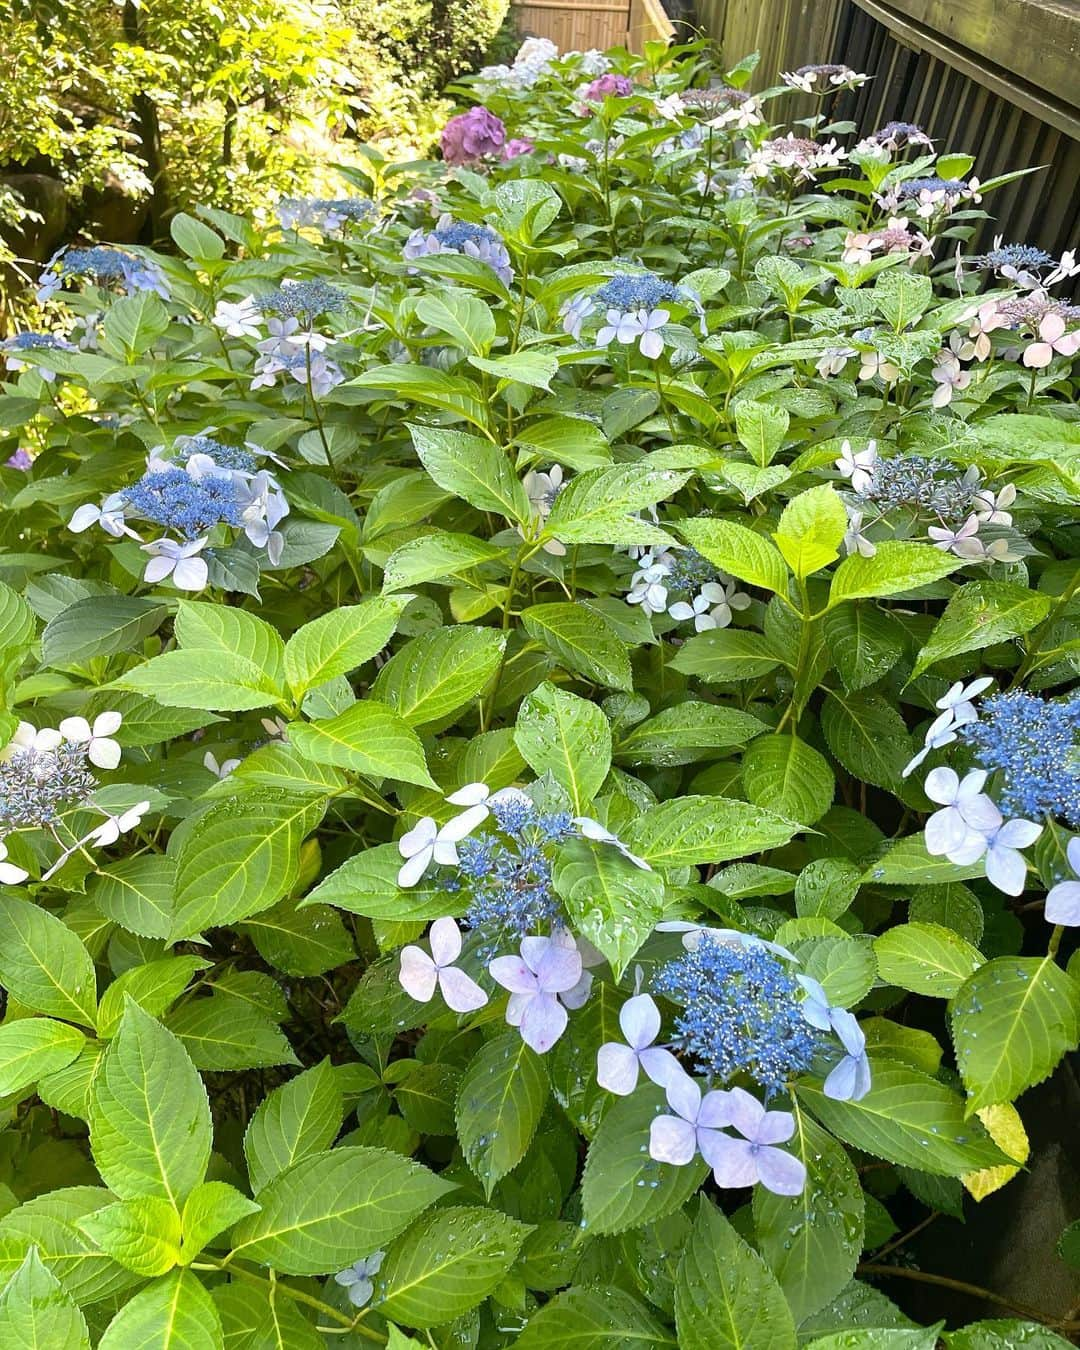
(920, 490)
(103, 265)
(471, 135)
(606, 86)
(722, 106)
(898, 236)
(823, 79)
(32, 342)
(301, 300)
(47, 773)
(703, 593)
(798, 157)
(1031, 742)
(462, 236)
(633, 305)
(533, 60)
(326, 214)
(206, 486)
(895, 136)
(932, 198)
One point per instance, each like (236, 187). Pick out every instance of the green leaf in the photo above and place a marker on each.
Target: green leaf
(568, 737)
(300, 942)
(436, 557)
(150, 1126)
(44, 965)
(99, 625)
(582, 641)
(446, 1264)
(761, 429)
(536, 369)
(240, 857)
(33, 1047)
(137, 893)
(723, 655)
(980, 614)
(610, 901)
(36, 1313)
(463, 316)
(142, 1234)
(788, 776)
(907, 863)
(366, 884)
(738, 550)
(826, 887)
(200, 626)
(173, 1313)
(844, 966)
(220, 1035)
(153, 986)
(726, 1297)
(214, 680)
(622, 1186)
(949, 906)
(868, 737)
(368, 738)
(327, 1207)
(903, 297)
(47, 1224)
(1012, 1022)
(300, 1118)
(599, 506)
(925, 959)
(1005, 1332)
(335, 643)
(595, 1318)
(209, 1210)
(812, 1241)
(499, 1105)
(255, 1317)
(910, 1119)
(439, 673)
(685, 732)
(812, 526)
(865, 642)
(879, 1338)
(898, 565)
(432, 388)
(473, 469)
(688, 830)
(195, 239)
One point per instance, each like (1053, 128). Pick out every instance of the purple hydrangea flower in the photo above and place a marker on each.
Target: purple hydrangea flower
(607, 85)
(545, 969)
(471, 135)
(754, 1158)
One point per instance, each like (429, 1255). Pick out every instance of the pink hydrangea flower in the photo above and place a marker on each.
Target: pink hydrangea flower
(517, 145)
(618, 86)
(471, 135)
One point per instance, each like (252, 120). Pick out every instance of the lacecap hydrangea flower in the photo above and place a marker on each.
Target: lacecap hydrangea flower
(105, 266)
(462, 236)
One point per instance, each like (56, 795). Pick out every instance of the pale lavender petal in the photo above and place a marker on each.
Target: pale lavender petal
(942, 785)
(445, 939)
(945, 830)
(660, 1065)
(776, 1127)
(1073, 854)
(684, 1096)
(464, 824)
(715, 1110)
(851, 1035)
(421, 836)
(460, 991)
(617, 1068)
(533, 950)
(651, 345)
(543, 1022)
(513, 974)
(578, 996)
(157, 569)
(472, 794)
(1063, 903)
(840, 1084)
(639, 1018)
(558, 970)
(515, 1008)
(745, 1112)
(780, 1173)
(672, 1140)
(733, 1161)
(411, 872)
(1018, 833)
(190, 574)
(418, 975)
(1006, 869)
(444, 851)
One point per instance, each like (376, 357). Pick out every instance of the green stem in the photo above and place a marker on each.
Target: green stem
(297, 1295)
(1040, 633)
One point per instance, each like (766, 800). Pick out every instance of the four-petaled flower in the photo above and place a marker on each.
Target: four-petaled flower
(357, 1278)
(420, 973)
(755, 1158)
(1053, 341)
(101, 749)
(617, 1065)
(420, 847)
(858, 465)
(545, 969)
(966, 811)
(696, 1127)
(182, 562)
(1063, 899)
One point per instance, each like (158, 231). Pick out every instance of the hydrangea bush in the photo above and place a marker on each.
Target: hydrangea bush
(540, 786)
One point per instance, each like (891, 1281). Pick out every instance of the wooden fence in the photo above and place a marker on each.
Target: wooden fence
(578, 25)
(995, 78)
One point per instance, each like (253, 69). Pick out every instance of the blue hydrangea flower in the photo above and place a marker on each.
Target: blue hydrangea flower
(304, 300)
(358, 1278)
(104, 265)
(740, 1012)
(1031, 742)
(172, 498)
(224, 456)
(322, 213)
(462, 236)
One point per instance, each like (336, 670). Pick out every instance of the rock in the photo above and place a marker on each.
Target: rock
(113, 215)
(37, 239)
